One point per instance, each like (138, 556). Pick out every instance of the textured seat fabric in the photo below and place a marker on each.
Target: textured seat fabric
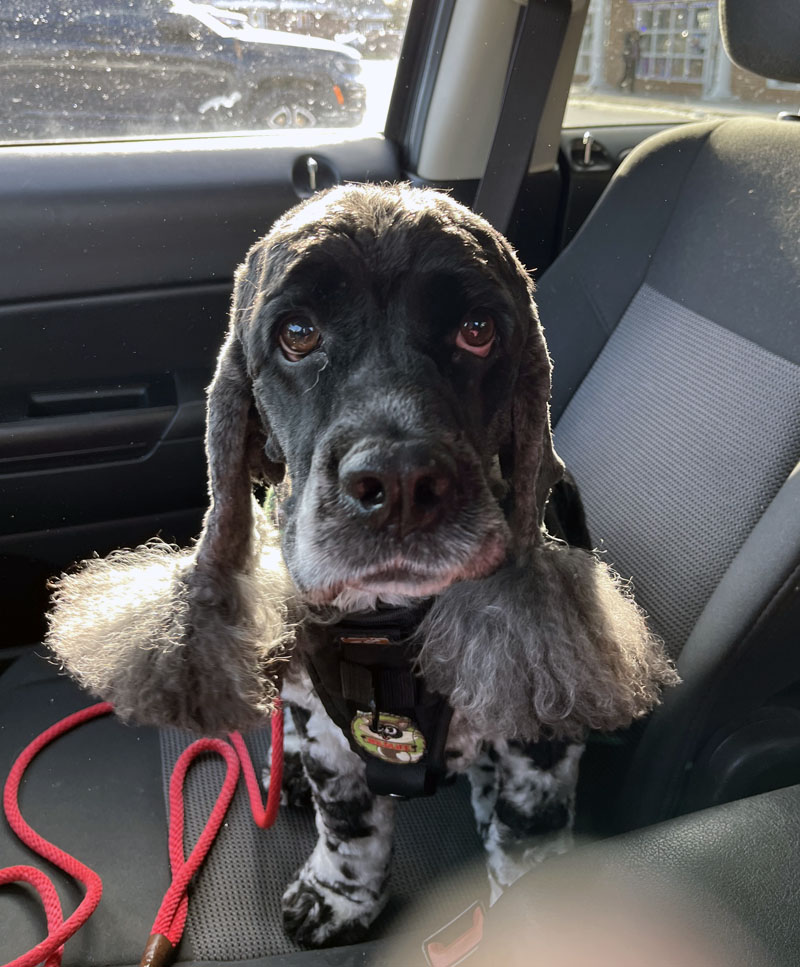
(689, 423)
(704, 214)
(674, 326)
(98, 792)
(235, 914)
(677, 462)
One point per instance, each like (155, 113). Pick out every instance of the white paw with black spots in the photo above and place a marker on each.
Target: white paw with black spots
(317, 914)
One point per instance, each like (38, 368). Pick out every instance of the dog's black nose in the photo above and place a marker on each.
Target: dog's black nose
(404, 488)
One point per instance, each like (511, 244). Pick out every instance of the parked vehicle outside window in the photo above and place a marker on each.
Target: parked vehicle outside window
(73, 70)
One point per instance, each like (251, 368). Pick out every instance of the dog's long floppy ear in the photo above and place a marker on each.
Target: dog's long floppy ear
(537, 467)
(235, 441)
(191, 638)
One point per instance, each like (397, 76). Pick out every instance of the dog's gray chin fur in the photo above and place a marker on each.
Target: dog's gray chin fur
(168, 644)
(552, 647)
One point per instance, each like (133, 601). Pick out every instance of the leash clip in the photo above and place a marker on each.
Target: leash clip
(159, 952)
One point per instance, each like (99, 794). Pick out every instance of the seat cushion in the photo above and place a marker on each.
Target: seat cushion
(673, 325)
(718, 887)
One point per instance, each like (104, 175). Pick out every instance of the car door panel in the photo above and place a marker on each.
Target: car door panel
(114, 299)
(91, 218)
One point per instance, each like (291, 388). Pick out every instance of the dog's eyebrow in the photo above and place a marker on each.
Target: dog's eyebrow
(467, 283)
(322, 267)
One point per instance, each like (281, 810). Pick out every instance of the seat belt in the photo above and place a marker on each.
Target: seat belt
(539, 37)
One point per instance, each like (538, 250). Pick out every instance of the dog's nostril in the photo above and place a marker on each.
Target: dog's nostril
(368, 491)
(430, 489)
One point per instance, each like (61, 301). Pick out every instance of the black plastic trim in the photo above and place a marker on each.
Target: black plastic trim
(534, 229)
(539, 40)
(764, 662)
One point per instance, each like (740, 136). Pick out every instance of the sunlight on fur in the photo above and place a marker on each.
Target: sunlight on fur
(167, 644)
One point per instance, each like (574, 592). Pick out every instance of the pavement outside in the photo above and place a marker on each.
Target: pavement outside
(610, 106)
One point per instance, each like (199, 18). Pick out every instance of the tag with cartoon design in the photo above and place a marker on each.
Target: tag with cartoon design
(397, 740)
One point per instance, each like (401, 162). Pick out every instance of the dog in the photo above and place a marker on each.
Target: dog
(385, 381)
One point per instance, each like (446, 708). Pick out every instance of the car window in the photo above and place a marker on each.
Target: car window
(643, 62)
(73, 70)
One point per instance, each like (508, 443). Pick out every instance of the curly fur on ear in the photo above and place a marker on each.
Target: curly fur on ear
(167, 644)
(551, 647)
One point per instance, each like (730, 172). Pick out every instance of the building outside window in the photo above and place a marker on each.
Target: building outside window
(583, 65)
(666, 49)
(676, 41)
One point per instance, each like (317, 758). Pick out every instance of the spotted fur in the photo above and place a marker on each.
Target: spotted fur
(343, 885)
(523, 798)
(526, 807)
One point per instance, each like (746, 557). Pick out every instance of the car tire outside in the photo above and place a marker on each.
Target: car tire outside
(284, 108)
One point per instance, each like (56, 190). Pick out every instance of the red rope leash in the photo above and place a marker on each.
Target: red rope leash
(51, 949)
(171, 918)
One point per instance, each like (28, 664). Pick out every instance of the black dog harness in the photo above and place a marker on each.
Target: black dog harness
(362, 670)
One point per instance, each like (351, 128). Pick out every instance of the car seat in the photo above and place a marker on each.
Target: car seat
(673, 322)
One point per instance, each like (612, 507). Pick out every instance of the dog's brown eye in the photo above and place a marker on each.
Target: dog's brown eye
(298, 337)
(476, 333)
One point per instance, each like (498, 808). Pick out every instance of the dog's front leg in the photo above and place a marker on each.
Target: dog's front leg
(343, 886)
(524, 805)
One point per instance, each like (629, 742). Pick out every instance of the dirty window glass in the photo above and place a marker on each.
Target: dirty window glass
(642, 62)
(73, 70)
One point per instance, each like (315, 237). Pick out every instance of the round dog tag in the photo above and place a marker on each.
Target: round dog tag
(397, 739)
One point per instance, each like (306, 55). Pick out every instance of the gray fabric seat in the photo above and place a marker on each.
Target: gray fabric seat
(99, 793)
(674, 323)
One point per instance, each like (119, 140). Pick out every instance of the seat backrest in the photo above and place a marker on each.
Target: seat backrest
(674, 322)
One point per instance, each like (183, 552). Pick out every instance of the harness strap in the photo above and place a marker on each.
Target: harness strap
(362, 669)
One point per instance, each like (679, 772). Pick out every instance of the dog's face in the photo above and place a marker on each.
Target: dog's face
(382, 331)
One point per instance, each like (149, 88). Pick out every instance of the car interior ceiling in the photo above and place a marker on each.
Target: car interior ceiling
(667, 281)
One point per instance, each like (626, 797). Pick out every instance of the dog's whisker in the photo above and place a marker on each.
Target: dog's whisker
(322, 368)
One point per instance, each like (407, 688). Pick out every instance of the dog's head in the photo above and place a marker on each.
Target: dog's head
(386, 354)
